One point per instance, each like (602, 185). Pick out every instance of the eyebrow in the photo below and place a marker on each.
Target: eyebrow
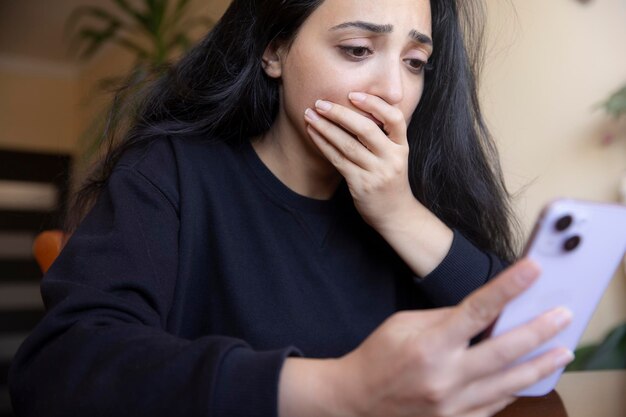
(375, 28)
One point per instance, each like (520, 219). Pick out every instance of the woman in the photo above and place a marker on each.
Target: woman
(292, 184)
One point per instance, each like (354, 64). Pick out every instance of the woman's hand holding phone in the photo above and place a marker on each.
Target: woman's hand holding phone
(420, 363)
(579, 245)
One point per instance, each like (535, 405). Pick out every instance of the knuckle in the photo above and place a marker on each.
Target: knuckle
(336, 159)
(384, 178)
(397, 168)
(421, 353)
(396, 117)
(547, 367)
(367, 187)
(536, 337)
(478, 311)
(370, 129)
(531, 374)
(502, 356)
(378, 183)
(350, 145)
(435, 394)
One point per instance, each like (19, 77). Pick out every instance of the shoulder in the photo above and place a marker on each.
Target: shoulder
(167, 161)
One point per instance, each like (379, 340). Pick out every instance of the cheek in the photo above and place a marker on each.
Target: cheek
(310, 77)
(412, 102)
(306, 85)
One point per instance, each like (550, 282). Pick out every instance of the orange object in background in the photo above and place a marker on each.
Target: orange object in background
(47, 246)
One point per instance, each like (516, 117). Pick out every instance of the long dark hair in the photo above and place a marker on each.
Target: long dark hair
(220, 91)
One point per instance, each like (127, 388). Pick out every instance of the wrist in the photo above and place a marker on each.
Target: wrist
(409, 212)
(315, 388)
(418, 236)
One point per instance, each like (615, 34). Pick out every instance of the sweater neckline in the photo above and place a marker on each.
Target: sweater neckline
(289, 197)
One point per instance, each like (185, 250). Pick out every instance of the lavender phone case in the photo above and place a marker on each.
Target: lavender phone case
(577, 264)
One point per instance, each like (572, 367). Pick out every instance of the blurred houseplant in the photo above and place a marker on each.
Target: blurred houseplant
(615, 106)
(154, 31)
(611, 352)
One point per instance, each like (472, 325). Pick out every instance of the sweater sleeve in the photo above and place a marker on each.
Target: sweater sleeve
(102, 348)
(464, 269)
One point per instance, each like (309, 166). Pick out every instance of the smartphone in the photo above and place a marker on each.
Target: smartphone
(578, 245)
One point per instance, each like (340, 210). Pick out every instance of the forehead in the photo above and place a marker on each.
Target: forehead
(404, 15)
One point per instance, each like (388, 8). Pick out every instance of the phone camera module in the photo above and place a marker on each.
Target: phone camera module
(563, 223)
(571, 243)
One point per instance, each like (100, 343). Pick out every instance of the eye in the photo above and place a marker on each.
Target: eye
(417, 65)
(356, 52)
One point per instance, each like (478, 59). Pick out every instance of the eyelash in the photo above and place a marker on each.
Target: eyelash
(349, 50)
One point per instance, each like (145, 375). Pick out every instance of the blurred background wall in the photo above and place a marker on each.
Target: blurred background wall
(548, 64)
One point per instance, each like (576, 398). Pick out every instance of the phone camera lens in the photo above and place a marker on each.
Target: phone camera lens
(563, 223)
(571, 243)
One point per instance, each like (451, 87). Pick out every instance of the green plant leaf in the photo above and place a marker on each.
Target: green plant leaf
(88, 11)
(90, 38)
(129, 10)
(179, 11)
(181, 40)
(615, 105)
(609, 354)
(140, 53)
(155, 15)
(152, 30)
(142, 19)
(94, 39)
(582, 357)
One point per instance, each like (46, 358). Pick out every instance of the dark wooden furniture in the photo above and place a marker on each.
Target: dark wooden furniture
(578, 394)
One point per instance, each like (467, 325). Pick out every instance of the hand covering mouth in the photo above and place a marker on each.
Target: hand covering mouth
(380, 124)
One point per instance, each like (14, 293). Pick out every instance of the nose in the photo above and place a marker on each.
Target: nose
(388, 83)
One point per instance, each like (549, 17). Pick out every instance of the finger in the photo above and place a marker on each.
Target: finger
(369, 133)
(492, 409)
(392, 118)
(494, 355)
(517, 378)
(350, 147)
(345, 167)
(487, 410)
(482, 307)
(421, 319)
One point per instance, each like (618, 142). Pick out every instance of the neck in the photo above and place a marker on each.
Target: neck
(295, 160)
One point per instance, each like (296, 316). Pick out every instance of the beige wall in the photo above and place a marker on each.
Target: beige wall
(549, 63)
(37, 109)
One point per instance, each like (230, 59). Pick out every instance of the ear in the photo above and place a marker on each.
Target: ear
(272, 61)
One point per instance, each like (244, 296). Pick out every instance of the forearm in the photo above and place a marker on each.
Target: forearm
(418, 237)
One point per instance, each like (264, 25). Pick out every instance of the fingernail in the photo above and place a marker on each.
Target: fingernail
(563, 358)
(357, 96)
(323, 105)
(311, 115)
(527, 273)
(561, 317)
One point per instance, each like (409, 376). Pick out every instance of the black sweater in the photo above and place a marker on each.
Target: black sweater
(196, 274)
